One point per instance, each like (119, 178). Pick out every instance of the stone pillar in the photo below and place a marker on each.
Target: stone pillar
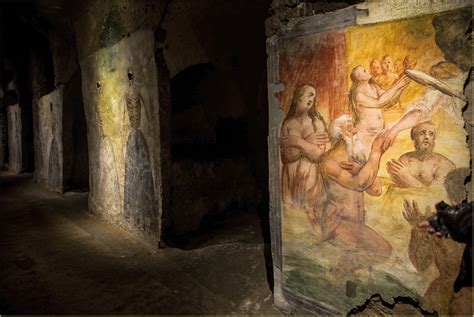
(41, 85)
(119, 87)
(3, 126)
(14, 139)
(49, 172)
(165, 137)
(74, 136)
(3, 138)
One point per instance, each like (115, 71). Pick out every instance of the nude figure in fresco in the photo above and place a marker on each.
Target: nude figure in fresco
(421, 167)
(367, 101)
(388, 76)
(375, 68)
(409, 62)
(431, 100)
(398, 67)
(343, 218)
(303, 141)
(446, 254)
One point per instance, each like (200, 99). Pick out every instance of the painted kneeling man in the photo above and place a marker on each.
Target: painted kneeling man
(344, 215)
(422, 167)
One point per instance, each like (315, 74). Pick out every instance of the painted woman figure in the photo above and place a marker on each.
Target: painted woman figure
(304, 140)
(139, 196)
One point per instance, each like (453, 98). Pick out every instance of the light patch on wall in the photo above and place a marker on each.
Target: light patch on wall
(110, 99)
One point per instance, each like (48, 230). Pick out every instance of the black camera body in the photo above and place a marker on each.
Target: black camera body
(454, 220)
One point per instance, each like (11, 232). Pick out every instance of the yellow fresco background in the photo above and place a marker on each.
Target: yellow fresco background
(407, 37)
(400, 38)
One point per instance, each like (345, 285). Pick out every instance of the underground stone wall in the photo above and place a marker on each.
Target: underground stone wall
(19, 88)
(12, 119)
(3, 137)
(42, 84)
(61, 154)
(3, 131)
(127, 60)
(67, 77)
(218, 116)
(3, 121)
(115, 42)
(15, 151)
(19, 78)
(15, 125)
(50, 131)
(74, 137)
(61, 149)
(211, 171)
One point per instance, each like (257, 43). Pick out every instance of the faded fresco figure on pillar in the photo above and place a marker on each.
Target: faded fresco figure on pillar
(139, 196)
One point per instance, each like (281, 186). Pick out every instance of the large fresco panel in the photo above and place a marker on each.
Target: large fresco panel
(372, 130)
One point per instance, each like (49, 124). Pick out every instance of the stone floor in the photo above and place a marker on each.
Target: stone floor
(58, 259)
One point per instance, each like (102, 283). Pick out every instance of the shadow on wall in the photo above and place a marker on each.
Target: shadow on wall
(76, 152)
(211, 168)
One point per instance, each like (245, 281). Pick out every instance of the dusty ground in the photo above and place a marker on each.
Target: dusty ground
(58, 259)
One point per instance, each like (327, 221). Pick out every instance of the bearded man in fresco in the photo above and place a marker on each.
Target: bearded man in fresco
(422, 167)
(343, 215)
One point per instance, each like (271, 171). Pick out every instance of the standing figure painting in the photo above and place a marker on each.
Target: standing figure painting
(304, 140)
(139, 197)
